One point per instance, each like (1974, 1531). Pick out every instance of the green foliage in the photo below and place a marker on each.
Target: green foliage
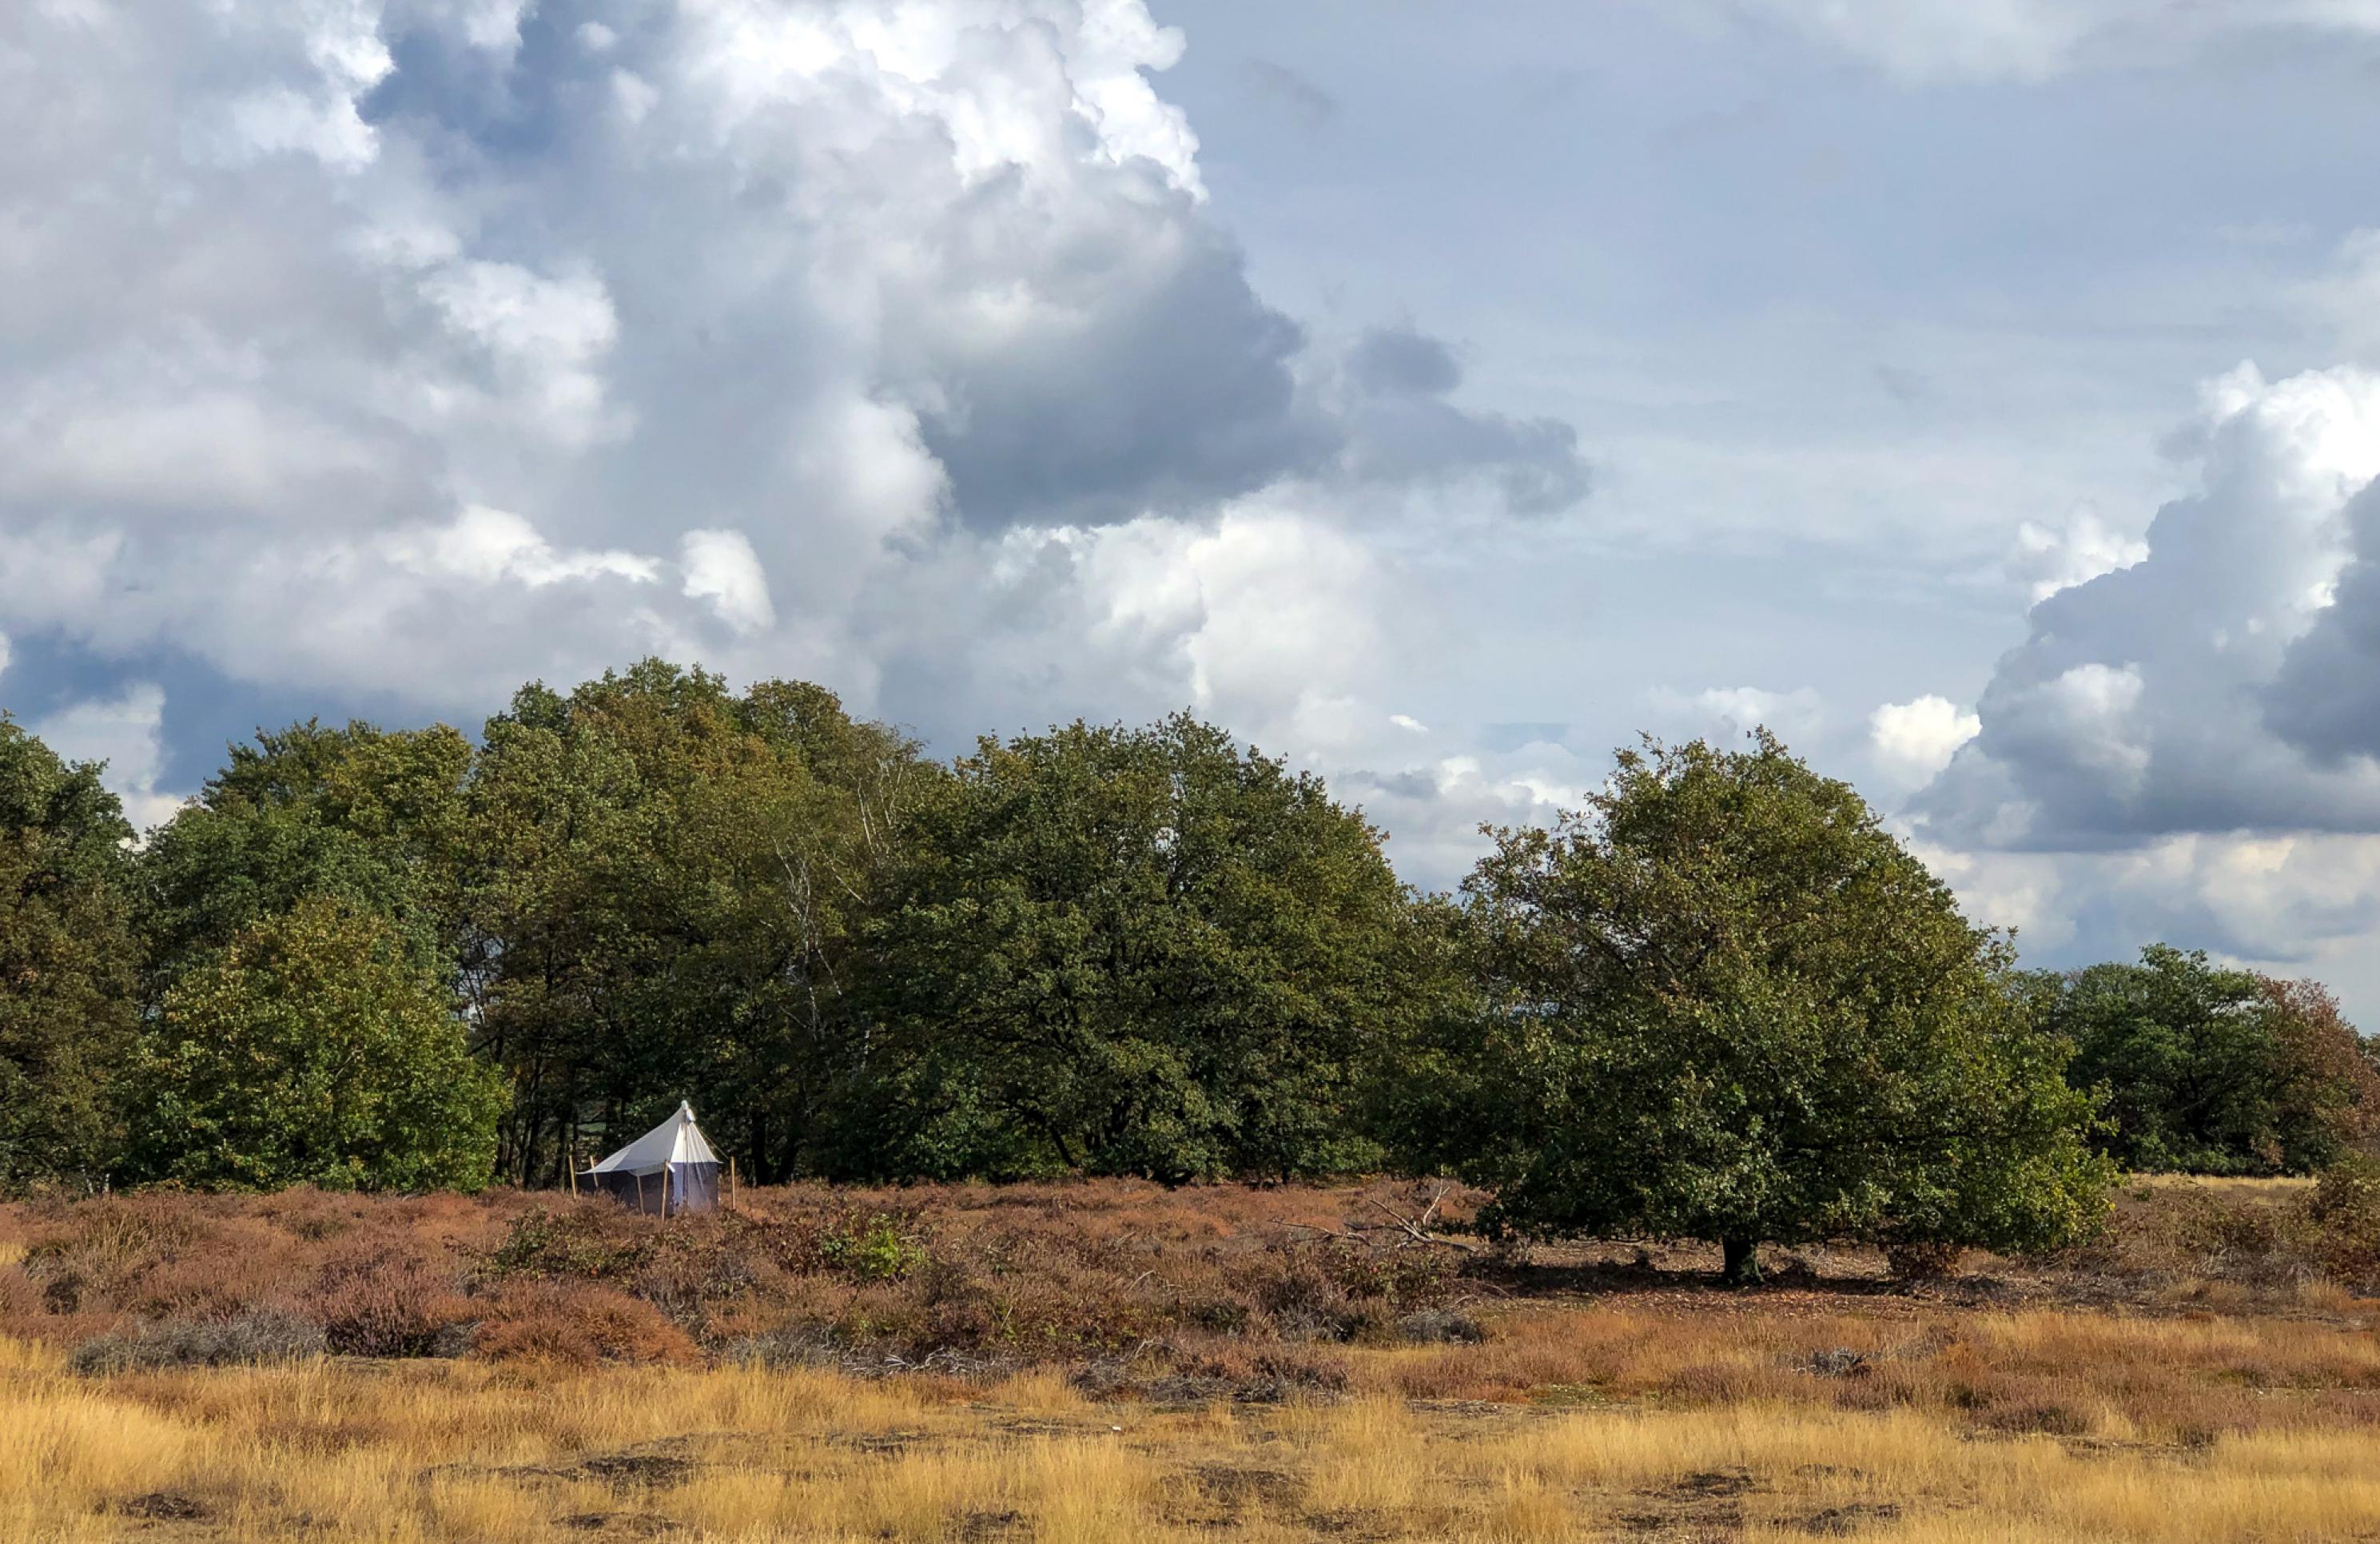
(313, 1049)
(367, 816)
(1142, 952)
(1722, 1002)
(541, 1246)
(1719, 1002)
(2209, 1070)
(68, 963)
(870, 1248)
(663, 886)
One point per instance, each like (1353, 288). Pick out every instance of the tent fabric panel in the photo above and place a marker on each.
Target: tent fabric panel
(694, 1187)
(676, 1140)
(637, 1192)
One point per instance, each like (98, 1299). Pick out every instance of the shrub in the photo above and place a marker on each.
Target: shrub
(1441, 1326)
(596, 1240)
(1923, 1260)
(2345, 1209)
(258, 1336)
(872, 1249)
(577, 1324)
(385, 1304)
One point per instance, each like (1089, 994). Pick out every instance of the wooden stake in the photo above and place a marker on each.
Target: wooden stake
(731, 1179)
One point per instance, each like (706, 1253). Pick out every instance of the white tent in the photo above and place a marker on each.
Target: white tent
(669, 1170)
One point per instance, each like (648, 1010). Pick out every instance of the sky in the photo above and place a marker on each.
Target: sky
(1983, 395)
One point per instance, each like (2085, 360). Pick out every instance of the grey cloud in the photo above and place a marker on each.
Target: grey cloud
(1174, 396)
(2325, 700)
(1393, 397)
(2143, 702)
(1313, 107)
(1399, 361)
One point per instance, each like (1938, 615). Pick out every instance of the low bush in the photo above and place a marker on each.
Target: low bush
(576, 1323)
(264, 1335)
(387, 1303)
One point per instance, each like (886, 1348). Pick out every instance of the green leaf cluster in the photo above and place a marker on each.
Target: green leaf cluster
(1128, 950)
(68, 964)
(2214, 1070)
(1723, 1003)
(314, 1049)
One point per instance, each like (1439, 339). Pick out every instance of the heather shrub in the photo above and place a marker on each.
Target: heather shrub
(594, 1240)
(1921, 1259)
(385, 1304)
(261, 1335)
(576, 1323)
(1440, 1327)
(2344, 1211)
(857, 1243)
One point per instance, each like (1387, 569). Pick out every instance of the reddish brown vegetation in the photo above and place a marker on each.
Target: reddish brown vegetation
(1139, 1289)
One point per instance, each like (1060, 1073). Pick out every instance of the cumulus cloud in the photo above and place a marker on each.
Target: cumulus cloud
(721, 568)
(417, 346)
(2195, 690)
(126, 733)
(2030, 40)
(2050, 558)
(1796, 717)
(1917, 739)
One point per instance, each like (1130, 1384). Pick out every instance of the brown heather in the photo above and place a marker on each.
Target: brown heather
(1120, 1361)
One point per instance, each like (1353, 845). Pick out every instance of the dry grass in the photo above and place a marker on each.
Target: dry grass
(1110, 1362)
(429, 1451)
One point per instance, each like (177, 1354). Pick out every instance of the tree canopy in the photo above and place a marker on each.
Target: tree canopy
(1721, 1002)
(1147, 952)
(2215, 1070)
(67, 962)
(315, 1050)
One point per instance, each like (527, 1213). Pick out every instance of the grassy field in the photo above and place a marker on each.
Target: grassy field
(1120, 1362)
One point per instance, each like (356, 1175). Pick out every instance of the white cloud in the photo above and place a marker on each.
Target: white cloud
(721, 568)
(2051, 558)
(1917, 739)
(1403, 721)
(2179, 694)
(544, 341)
(125, 733)
(486, 546)
(1796, 716)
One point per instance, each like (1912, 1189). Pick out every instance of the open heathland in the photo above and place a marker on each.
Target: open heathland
(1113, 1359)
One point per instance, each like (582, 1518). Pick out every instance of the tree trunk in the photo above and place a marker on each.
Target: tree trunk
(1743, 1261)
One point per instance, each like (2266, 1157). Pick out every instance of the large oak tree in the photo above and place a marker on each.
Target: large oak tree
(1721, 1002)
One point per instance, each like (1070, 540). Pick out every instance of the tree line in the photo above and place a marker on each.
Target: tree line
(1720, 1001)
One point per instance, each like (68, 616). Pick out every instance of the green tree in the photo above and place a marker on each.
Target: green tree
(662, 889)
(1128, 951)
(372, 818)
(314, 1048)
(68, 963)
(2215, 1070)
(1723, 1003)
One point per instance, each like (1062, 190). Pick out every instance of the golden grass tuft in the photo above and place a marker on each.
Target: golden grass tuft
(433, 1453)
